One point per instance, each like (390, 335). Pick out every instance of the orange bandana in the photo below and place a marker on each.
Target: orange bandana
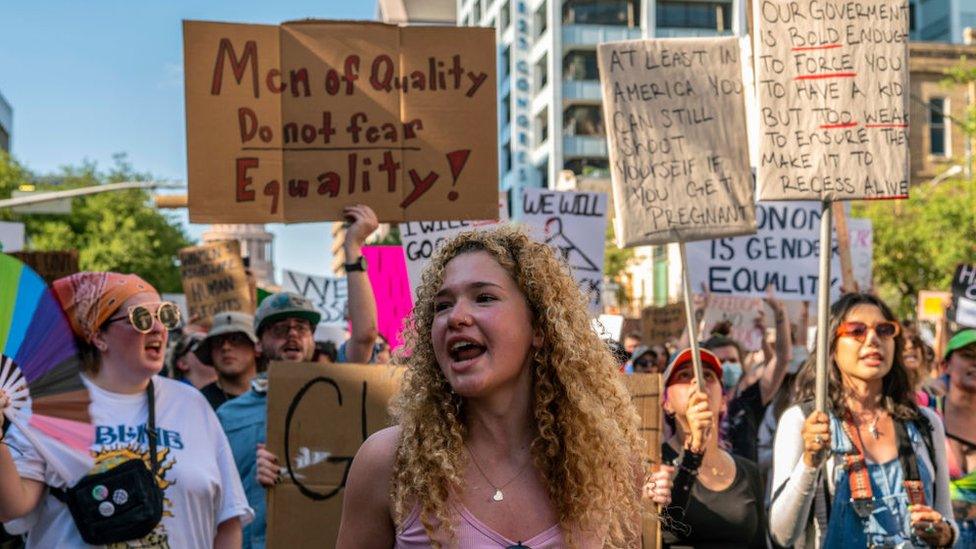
(89, 299)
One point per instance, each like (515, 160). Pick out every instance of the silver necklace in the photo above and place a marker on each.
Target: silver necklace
(499, 496)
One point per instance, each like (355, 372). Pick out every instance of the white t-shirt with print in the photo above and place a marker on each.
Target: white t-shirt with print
(200, 483)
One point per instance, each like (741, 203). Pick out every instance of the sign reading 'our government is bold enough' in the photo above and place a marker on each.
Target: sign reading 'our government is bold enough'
(291, 123)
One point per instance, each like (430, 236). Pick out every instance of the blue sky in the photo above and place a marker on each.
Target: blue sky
(90, 79)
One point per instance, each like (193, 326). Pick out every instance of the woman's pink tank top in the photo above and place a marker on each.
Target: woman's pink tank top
(471, 533)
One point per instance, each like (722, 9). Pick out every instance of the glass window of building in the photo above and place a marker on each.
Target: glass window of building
(938, 134)
(694, 15)
(505, 63)
(580, 65)
(542, 72)
(504, 18)
(588, 167)
(542, 126)
(583, 120)
(602, 12)
(476, 12)
(540, 21)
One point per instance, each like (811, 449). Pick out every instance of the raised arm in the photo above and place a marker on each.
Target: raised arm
(18, 496)
(775, 370)
(794, 481)
(366, 518)
(362, 302)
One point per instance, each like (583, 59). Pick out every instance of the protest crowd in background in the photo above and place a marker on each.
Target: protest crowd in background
(465, 390)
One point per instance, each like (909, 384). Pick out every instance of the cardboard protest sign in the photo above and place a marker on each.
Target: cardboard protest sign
(11, 236)
(214, 280)
(575, 225)
(741, 313)
(663, 324)
(932, 305)
(420, 239)
(50, 265)
(964, 295)
(645, 391)
(608, 326)
(291, 123)
(784, 254)
(862, 251)
(329, 294)
(306, 507)
(387, 272)
(676, 134)
(832, 79)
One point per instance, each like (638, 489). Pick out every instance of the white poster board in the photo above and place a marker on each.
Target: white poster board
(677, 139)
(741, 313)
(11, 236)
(832, 87)
(575, 225)
(329, 294)
(862, 251)
(420, 239)
(784, 253)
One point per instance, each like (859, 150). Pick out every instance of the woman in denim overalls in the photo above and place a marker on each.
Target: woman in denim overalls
(861, 475)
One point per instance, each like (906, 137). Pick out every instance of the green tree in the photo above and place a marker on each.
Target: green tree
(114, 231)
(919, 242)
(615, 260)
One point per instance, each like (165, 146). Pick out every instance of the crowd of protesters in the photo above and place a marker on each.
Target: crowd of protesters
(512, 427)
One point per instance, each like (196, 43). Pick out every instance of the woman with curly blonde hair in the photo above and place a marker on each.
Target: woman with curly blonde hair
(513, 427)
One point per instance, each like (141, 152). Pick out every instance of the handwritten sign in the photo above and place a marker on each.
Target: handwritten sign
(784, 254)
(575, 225)
(676, 133)
(964, 295)
(214, 280)
(932, 305)
(291, 123)
(862, 251)
(832, 79)
(50, 265)
(741, 313)
(663, 324)
(329, 294)
(420, 239)
(388, 275)
(11, 236)
(305, 509)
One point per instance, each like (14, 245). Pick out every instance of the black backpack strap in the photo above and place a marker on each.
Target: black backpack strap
(151, 432)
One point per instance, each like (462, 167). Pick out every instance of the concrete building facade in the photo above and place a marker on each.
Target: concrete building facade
(6, 124)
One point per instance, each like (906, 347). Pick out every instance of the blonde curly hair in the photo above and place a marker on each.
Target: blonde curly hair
(587, 445)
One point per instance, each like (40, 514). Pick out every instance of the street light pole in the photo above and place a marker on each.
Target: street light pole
(71, 193)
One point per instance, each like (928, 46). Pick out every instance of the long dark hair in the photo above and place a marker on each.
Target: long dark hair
(897, 397)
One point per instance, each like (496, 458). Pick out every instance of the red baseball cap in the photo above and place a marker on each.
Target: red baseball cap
(708, 359)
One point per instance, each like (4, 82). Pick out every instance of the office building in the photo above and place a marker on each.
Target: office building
(6, 124)
(941, 20)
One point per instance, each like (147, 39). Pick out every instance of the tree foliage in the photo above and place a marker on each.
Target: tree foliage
(113, 231)
(918, 242)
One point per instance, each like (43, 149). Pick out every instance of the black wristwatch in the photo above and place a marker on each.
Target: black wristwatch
(356, 266)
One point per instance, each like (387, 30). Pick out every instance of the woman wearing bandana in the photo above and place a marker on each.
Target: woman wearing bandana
(122, 327)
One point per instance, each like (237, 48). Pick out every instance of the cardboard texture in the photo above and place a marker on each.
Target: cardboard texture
(420, 239)
(214, 280)
(291, 123)
(50, 265)
(676, 135)
(574, 224)
(645, 390)
(832, 91)
(329, 294)
(783, 254)
(662, 324)
(334, 408)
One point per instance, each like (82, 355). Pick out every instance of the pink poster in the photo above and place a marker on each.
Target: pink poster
(387, 268)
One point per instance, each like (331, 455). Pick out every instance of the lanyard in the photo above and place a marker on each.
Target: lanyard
(862, 496)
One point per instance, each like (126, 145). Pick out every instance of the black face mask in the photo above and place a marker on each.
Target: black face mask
(122, 504)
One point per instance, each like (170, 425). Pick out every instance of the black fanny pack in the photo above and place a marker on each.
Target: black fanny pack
(122, 504)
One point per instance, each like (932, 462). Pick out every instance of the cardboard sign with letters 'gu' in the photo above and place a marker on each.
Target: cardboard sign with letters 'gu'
(676, 134)
(291, 123)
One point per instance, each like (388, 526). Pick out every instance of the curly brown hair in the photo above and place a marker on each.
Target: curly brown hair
(586, 447)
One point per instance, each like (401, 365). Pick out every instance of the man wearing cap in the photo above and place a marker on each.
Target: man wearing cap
(184, 365)
(230, 348)
(284, 324)
(643, 360)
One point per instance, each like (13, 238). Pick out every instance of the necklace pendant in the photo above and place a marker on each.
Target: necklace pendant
(498, 495)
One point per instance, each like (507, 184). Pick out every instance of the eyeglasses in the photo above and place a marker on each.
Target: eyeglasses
(282, 329)
(142, 318)
(859, 330)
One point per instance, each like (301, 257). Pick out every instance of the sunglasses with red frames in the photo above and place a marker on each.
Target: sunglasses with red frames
(142, 317)
(859, 330)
